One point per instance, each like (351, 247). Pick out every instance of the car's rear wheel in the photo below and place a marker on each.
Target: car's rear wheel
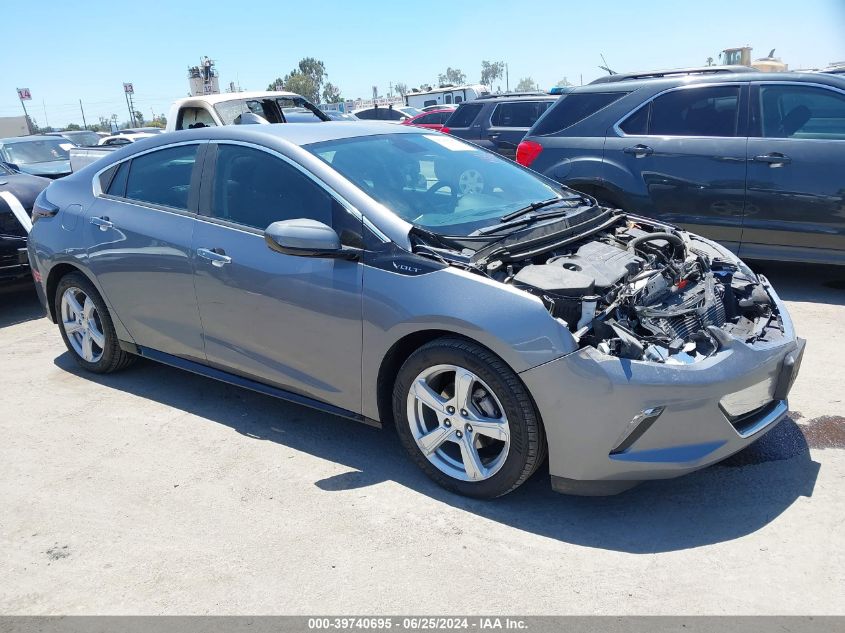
(86, 326)
(466, 419)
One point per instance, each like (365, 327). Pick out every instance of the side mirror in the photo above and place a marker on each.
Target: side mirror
(306, 238)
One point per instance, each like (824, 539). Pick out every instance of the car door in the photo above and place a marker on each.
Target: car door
(289, 321)
(796, 172)
(680, 158)
(138, 236)
(509, 123)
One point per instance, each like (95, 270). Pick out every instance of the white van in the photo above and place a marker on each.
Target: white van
(445, 95)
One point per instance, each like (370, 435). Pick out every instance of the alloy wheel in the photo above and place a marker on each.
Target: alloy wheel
(458, 423)
(82, 324)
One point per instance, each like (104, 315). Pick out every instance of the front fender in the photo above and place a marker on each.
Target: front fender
(512, 324)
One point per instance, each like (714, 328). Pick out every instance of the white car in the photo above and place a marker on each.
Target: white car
(124, 139)
(391, 113)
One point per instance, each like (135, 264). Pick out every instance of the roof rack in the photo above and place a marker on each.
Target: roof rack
(528, 93)
(673, 72)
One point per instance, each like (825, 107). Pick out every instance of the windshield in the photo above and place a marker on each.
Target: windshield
(433, 180)
(83, 139)
(40, 151)
(294, 108)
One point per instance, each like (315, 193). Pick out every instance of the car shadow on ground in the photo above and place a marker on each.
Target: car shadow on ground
(18, 304)
(720, 503)
(813, 283)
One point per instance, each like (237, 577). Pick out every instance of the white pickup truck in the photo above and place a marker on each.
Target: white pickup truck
(222, 109)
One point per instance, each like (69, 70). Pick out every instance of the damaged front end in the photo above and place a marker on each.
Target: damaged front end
(636, 289)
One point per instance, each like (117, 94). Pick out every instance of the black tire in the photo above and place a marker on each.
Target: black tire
(527, 437)
(113, 358)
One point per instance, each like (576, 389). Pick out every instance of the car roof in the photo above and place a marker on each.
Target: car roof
(233, 96)
(24, 139)
(501, 99)
(729, 77)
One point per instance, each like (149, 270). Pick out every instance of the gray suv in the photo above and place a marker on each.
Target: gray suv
(753, 160)
(498, 122)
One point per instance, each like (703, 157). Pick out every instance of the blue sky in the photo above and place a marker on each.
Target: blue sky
(65, 51)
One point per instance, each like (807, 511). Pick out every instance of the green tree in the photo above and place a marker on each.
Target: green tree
(331, 93)
(70, 127)
(306, 79)
(526, 84)
(452, 76)
(563, 83)
(491, 71)
(139, 118)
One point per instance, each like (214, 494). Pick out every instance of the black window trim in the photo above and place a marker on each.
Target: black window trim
(510, 127)
(755, 130)
(207, 185)
(742, 112)
(193, 194)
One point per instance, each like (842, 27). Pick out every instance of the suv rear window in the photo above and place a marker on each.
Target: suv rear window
(464, 115)
(518, 113)
(572, 108)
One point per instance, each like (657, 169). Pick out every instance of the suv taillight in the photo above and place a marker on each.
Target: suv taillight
(527, 152)
(445, 130)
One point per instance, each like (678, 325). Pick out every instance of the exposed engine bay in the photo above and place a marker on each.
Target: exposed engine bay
(641, 290)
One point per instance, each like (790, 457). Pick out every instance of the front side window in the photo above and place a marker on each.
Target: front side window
(574, 108)
(254, 188)
(522, 114)
(790, 111)
(163, 176)
(433, 180)
(464, 115)
(708, 111)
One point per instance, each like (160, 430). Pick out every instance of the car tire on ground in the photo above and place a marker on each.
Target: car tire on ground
(466, 419)
(86, 326)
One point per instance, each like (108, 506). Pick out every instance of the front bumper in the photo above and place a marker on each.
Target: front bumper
(613, 422)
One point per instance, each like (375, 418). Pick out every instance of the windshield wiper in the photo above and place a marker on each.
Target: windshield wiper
(525, 219)
(527, 209)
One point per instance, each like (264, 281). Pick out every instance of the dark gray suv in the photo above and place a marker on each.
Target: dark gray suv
(498, 122)
(753, 160)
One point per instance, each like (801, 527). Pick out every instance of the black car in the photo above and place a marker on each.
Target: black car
(17, 194)
(753, 160)
(498, 122)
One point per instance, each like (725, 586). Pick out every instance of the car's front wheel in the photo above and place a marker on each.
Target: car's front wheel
(86, 326)
(466, 419)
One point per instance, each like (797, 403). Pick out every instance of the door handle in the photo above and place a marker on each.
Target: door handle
(493, 137)
(775, 159)
(639, 150)
(103, 222)
(216, 256)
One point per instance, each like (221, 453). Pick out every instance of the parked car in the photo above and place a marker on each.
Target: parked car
(445, 106)
(227, 109)
(340, 116)
(499, 122)
(432, 120)
(394, 113)
(124, 138)
(17, 195)
(753, 160)
(46, 156)
(80, 138)
(335, 266)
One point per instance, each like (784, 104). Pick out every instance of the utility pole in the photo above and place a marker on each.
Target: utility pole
(507, 79)
(44, 106)
(84, 124)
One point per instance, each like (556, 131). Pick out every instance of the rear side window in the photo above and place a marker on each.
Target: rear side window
(637, 123)
(117, 187)
(572, 108)
(162, 177)
(791, 111)
(709, 111)
(366, 114)
(464, 115)
(518, 113)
